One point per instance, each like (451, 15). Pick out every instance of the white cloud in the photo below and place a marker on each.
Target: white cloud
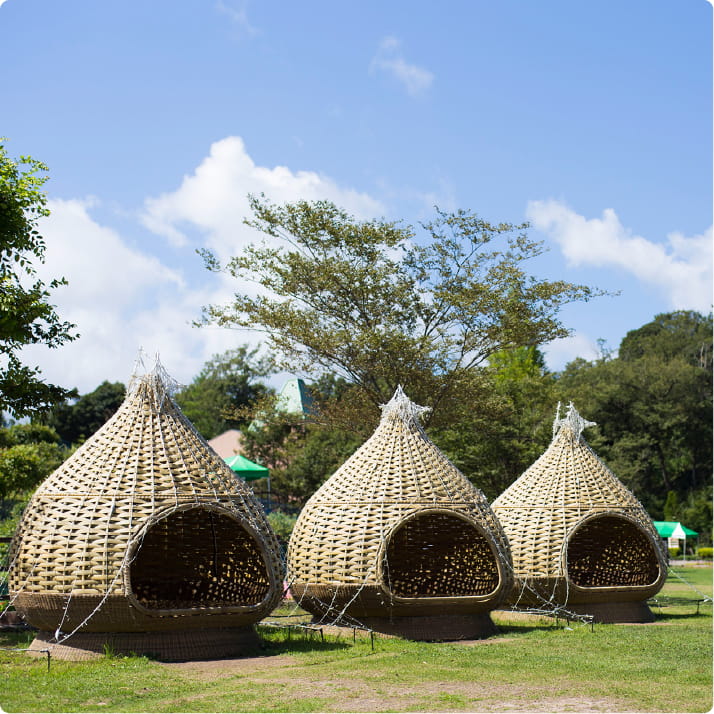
(124, 298)
(681, 269)
(559, 352)
(98, 262)
(117, 296)
(238, 13)
(214, 198)
(389, 59)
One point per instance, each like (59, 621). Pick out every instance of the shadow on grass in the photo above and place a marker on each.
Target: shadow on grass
(276, 648)
(16, 638)
(513, 629)
(300, 643)
(664, 616)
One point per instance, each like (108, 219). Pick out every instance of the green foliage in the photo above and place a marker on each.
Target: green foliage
(216, 399)
(28, 434)
(28, 453)
(697, 512)
(673, 552)
(301, 455)
(683, 334)
(313, 458)
(10, 514)
(76, 420)
(282, 525)
(379, 305)
(705, 553)
(26, 316)
(653, 407)
(672, 509)
(494, 443)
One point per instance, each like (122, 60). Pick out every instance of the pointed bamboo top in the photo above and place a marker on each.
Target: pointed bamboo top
(572, 421)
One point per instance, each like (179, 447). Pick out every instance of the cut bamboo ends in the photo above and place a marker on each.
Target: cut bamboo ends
(579, 539)
(400, 541)
(144, 530)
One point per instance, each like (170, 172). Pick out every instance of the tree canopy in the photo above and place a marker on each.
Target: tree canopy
(26, 316)
(653, 407)
(494, 444)
(381, 305)
(28, 453)
(77, 419)
(227, 383)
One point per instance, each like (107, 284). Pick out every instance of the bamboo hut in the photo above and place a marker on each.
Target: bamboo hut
(145, 541)
(399, 540)
(579, 539)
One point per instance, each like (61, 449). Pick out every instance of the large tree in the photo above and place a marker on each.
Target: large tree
(380, 305)
(26, 316)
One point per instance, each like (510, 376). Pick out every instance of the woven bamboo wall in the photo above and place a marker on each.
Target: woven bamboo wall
(143, 501)
(398, 530)
(577, 534)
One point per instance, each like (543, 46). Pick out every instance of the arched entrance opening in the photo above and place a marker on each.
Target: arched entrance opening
(200, 557)
(439, 554)
(611, 551)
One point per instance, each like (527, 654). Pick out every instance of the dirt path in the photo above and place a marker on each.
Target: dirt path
(291, 676)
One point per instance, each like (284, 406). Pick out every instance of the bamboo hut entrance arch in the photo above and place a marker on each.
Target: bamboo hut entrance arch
(438, 554)
(606, 551)
(197, 557)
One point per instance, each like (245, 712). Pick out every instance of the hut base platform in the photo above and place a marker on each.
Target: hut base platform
(176, 646)
(614, 612)
(434, 628)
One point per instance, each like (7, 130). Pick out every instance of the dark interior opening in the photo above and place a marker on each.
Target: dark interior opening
(198, 558)
(439, 555)
(609, 551)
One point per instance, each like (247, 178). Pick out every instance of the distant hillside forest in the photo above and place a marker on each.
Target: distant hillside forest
(651, 400)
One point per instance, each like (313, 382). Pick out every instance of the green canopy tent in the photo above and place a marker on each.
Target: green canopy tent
(245, 468)
(249, 471)
(674, 529)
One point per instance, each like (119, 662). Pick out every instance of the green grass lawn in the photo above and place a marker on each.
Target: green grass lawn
(532, 665)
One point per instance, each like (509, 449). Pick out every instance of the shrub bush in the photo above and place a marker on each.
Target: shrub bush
(673, 552)
(705, 553)
(282, 524)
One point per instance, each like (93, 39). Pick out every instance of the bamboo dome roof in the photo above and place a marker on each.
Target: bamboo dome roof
(398, 530)
(144, 528)
(576, 532)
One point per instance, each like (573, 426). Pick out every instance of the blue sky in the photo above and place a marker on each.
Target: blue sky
(591, 120)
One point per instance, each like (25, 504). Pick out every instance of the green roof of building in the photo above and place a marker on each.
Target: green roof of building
(294, 398)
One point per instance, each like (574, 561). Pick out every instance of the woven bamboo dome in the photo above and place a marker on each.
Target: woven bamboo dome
(399, 540)
(579, 539)
(144, 539)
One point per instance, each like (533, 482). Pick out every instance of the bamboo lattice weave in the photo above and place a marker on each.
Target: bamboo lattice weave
(144, 528)
(577, 534)
(397, 530)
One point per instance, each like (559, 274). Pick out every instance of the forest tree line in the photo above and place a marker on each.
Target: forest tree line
(447, 309)
(651, 401)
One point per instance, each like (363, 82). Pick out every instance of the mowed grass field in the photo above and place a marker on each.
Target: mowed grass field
(533, 664)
